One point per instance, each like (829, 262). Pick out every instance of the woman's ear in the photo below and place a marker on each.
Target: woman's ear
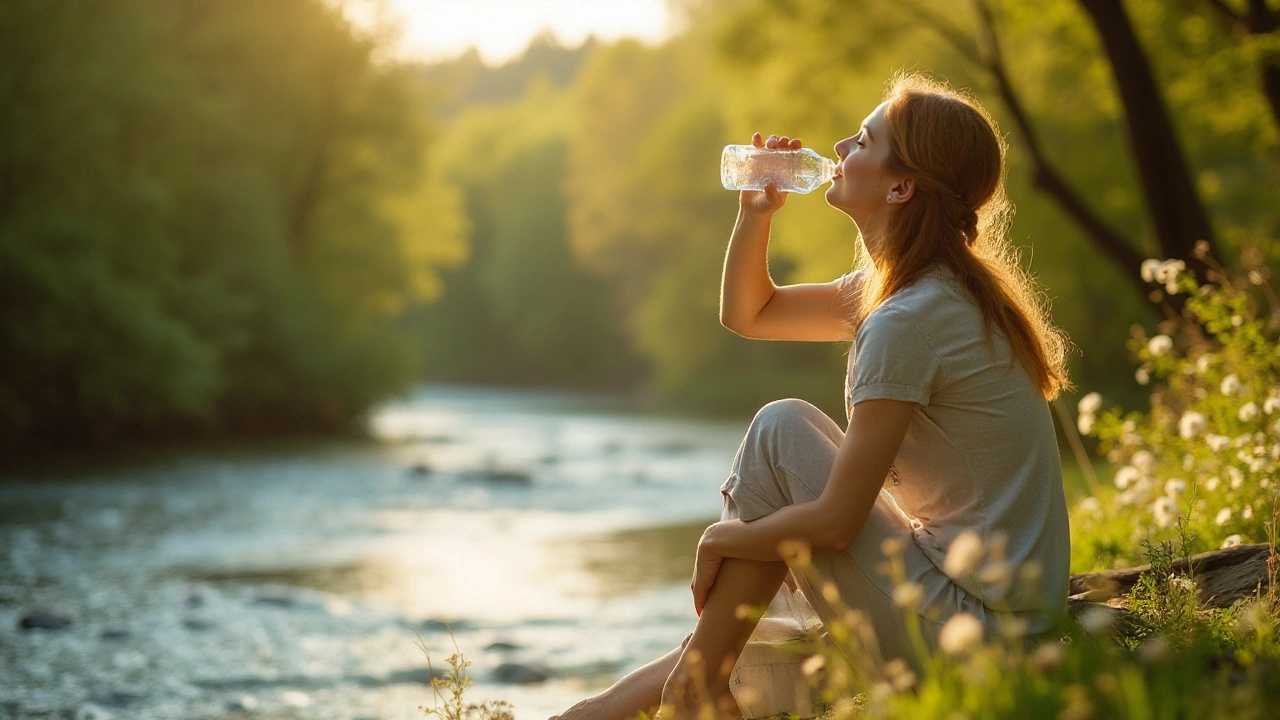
(902, 191)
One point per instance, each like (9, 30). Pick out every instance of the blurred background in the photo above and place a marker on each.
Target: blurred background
(291, 290)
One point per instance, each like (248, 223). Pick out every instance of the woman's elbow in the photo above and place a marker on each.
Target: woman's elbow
(734, 324)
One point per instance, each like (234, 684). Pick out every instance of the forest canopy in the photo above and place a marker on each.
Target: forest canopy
(238, 216)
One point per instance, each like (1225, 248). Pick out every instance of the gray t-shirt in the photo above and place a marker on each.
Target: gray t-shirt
(980, 453)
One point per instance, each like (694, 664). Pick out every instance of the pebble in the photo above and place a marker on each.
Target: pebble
(44, 620)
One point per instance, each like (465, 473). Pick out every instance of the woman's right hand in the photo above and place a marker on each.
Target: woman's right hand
(766, 202)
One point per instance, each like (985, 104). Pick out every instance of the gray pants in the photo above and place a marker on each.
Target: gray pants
(786, 458)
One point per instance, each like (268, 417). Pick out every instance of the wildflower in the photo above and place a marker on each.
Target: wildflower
(1203, 363)
(1089, 404)
(1125, 476)
(1160, 345)
(1230, 384)
(1271, 404)
(1084, 424)
(1047, 657)
(1144, 461)
(1165, 511)
(1013, 627)
(1153, 649)
(1237, 477)
(891, 547)
(1223, 517)
(960, 634)
(1150, 270)
(997, 574)
(1247, 513)
(813, 665)
(1248, 411)
(1090, 505)
(1191, 424)
(908, 595)
(1175, 486)
(1212, 483)
(1097, 620)
(830, 592)
(900, 674)
(795, 551)
(963, 555)
(1217, 442)
(1182, 582)
(1231, 541)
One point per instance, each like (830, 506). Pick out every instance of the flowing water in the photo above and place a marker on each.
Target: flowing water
(549, 536)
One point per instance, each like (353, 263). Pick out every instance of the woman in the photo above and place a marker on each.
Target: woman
(949, 434)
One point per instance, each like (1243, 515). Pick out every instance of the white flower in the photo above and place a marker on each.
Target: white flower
(1203, 362)
(1142, 375)
(1090, 505)
(1217, 442)
(1144, 461)
(1272, 403)
(1247, 513)
(1175, 486)
(964, 555)
(1047, 657)
(997, 574)
(1089, 404)
(1150, 270)
(1159, 345)
(1084, 424)
(1230, 384)
(813, 665)
(1165, 511)
(1248, 411)
(1097, 620)
(1182, 582)
(1237, 477)
(1212, 483)
(1191, 424)
(961, 633)
(908, 595)
(1231, 541)
(1223, 517)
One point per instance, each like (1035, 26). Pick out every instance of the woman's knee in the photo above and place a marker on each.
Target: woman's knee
(783, 413)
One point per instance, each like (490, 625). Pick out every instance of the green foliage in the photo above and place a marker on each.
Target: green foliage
(202, 219)
(1205, 458)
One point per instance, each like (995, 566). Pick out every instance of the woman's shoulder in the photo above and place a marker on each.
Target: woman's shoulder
(934, 292)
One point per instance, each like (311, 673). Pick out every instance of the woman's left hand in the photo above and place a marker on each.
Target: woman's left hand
(705, 569)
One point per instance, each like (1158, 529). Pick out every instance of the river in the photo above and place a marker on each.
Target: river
(548, 536)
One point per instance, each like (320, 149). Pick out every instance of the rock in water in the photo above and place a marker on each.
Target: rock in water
(43, 620)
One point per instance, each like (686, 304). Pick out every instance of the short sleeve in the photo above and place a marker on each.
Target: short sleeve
(893, 360)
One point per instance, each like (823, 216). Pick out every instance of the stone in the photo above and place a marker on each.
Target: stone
(44, 620)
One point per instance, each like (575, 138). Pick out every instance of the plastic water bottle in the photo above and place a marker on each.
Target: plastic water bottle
(746, 167)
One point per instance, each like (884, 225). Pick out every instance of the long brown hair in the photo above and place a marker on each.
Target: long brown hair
(959, 217)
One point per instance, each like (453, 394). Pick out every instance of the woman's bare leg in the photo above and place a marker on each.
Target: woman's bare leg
(702, 672)
(640, 691)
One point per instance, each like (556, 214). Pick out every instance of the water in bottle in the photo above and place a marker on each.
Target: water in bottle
(746, 167)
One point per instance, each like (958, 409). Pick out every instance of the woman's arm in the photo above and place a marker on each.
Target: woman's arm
(833, 521)
(750, 303)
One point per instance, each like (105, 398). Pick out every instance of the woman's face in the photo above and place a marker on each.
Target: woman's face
(861, 184)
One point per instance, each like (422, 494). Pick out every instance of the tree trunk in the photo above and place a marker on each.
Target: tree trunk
(1169, 191)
